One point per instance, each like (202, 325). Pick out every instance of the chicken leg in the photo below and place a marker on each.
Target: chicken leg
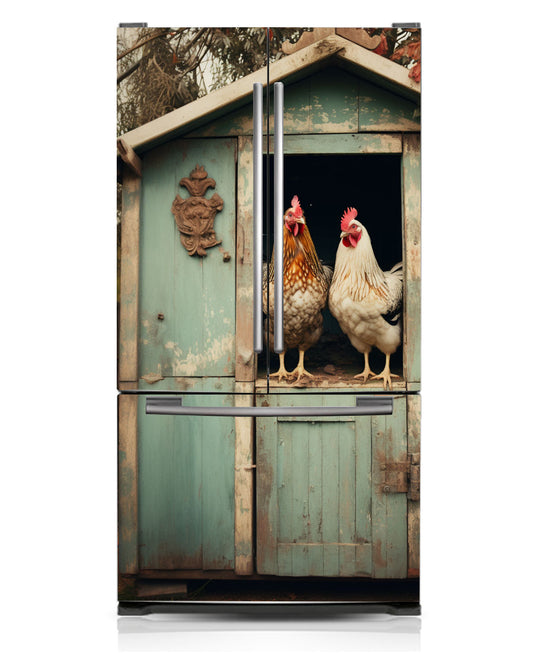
(299, 371)
(367, 371)
(386, 374)
(282, 372)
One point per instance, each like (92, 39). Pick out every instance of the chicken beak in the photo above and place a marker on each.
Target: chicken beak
(343, 234)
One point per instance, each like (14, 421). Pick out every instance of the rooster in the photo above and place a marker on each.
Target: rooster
(365, 300)
(305, 290)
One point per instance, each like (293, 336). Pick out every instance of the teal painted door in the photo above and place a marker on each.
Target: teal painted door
(186, 488)
(187, 303)
(321, 506)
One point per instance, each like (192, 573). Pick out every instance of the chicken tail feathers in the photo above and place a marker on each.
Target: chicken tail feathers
(394, 279)
(328, 272)
(397, 270)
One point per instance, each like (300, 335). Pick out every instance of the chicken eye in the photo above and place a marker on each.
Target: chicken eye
(290, 214)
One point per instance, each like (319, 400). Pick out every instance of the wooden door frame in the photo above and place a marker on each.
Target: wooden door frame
(405, 144)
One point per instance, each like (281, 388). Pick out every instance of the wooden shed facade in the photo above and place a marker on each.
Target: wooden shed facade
(232, 498)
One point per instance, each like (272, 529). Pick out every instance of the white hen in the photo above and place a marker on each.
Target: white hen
(365, 300)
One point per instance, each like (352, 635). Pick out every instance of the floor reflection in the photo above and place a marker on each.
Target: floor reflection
(336, 633)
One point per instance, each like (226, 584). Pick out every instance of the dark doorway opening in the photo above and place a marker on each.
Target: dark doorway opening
(326, 185)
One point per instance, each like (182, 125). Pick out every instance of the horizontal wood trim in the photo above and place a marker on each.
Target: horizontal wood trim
(189, 384)
(343, 143)
(315, 544)
(330, 385)
(347, 418)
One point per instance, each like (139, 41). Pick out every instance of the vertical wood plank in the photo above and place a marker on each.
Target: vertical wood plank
(285, 482)
(330, 501)
(244, 354)
(129, 279)
(413, 506)
(127, 485)
(298, 439)
(315, 461)
(363, 494)
(389, 510)
(244, 486)
(347, 498)
(396, 441)
(266, 493)
(412, 287)
(218, 486)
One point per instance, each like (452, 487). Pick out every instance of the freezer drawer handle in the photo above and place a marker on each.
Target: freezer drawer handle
(258, 217)
(278, 217)
(364, 406)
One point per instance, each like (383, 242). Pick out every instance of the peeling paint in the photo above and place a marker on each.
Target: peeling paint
(152, 378)
(189, 366)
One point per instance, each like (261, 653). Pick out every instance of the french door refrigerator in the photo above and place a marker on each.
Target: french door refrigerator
(269, 325)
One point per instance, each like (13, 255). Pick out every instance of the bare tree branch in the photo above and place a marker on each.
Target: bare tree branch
(129, 71)
(161, 33)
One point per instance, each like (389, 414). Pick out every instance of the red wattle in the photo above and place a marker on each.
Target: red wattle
(354, 239)
(346, 241)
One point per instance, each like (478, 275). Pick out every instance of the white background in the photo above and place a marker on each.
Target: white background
(58, 436)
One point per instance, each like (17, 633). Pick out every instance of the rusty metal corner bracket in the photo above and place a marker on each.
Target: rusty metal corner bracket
(402, 477)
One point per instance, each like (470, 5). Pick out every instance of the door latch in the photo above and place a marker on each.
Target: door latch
(402, 477)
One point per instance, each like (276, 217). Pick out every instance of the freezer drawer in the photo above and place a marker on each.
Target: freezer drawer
(338, 496)
(176, 489)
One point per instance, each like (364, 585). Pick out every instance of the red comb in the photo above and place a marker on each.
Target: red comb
(297, 209)
(347, 218)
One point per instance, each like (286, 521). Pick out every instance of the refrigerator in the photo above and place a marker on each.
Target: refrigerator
(269, 319)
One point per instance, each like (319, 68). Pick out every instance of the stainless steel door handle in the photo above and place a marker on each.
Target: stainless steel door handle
(364, 406)
(258, 217)
(278, 217)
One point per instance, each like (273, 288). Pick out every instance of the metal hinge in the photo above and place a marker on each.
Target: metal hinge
(402, 477)
(407, 26)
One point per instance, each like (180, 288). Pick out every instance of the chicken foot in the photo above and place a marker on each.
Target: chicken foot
(386, 374)
(367, 371)
(282, 372)
(299, 370)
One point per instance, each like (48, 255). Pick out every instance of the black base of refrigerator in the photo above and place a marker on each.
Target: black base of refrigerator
(254, 608)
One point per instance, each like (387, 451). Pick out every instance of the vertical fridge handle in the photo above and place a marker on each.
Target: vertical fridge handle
(258, 217)
(278, 217)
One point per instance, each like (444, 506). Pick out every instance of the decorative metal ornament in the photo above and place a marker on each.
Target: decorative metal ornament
(195, 216)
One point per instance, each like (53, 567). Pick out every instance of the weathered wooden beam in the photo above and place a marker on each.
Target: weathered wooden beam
(244, 485)
(128, 536)
(413, 506)
(128, 155)
(343, 143)
(411, 253)
(244, 353)
(129, 280)
(356, 35)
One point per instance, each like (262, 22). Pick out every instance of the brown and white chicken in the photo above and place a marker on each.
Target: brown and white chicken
(305, 291)
(365, 300)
